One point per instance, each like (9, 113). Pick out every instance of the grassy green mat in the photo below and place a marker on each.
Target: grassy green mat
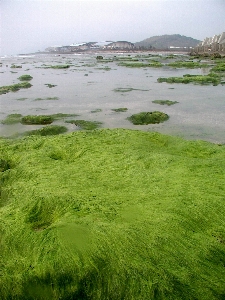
(112, 214)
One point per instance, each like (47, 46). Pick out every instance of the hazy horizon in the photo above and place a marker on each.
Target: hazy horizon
(33, 25)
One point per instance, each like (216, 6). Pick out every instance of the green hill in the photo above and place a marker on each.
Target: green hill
(111, 214)
(166, 41)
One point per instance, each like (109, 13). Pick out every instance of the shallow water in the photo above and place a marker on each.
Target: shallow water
(87, 86)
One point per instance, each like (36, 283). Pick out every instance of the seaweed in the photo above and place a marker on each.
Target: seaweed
(47, 98)
(96, 110)
(48, 130)
(212, 78)
(25, 77)
(121, 109)
(57, 67)
(12, 119)
(128, 89)
(36, 120)
(164, 102)
(112, 214)
(87, 125)
(140, 64)
(144, 118)
(15, 87)
(187, 64)
(15, 66)
(50, 85)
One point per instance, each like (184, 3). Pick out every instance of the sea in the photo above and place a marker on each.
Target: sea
(93, 89)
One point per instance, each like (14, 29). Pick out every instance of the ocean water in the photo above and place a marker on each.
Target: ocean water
(90, 85)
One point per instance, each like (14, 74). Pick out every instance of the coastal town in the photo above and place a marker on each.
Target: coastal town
(173, 42)
(210, 45)
(105, 45)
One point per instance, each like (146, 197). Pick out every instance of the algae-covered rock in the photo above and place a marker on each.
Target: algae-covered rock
(35, 120)
(25, 77)
(144, 118)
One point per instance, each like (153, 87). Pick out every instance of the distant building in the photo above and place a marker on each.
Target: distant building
(101, 45)
(212, 44)
(120, 45)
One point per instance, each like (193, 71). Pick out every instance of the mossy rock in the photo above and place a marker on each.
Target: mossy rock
(36, 120)
(144, 118)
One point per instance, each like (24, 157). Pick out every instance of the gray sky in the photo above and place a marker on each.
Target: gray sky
(32, 25)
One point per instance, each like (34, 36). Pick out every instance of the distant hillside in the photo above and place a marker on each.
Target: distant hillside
(168, 41)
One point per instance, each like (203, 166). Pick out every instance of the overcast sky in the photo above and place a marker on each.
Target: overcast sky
(32, 25)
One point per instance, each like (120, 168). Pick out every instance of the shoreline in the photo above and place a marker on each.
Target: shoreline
(104, 51)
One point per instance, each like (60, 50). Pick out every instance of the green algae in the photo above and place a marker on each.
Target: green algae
(220, 67)
(47, 130)
(47, 98)
(36, 120)
(212, 78)
(144, 118)
(25, 77)
(62, 116)
(50, 85)
(56, 66)
(112, 214)
(12, 119)
(128, 89)
(15, 66)
(22, 99)
(165, 102)
(103, 68)
(120, 109)
(4, 165)
(187, 64)
(14, 88)
(96, 110)
(138, 64)
(86, 125)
